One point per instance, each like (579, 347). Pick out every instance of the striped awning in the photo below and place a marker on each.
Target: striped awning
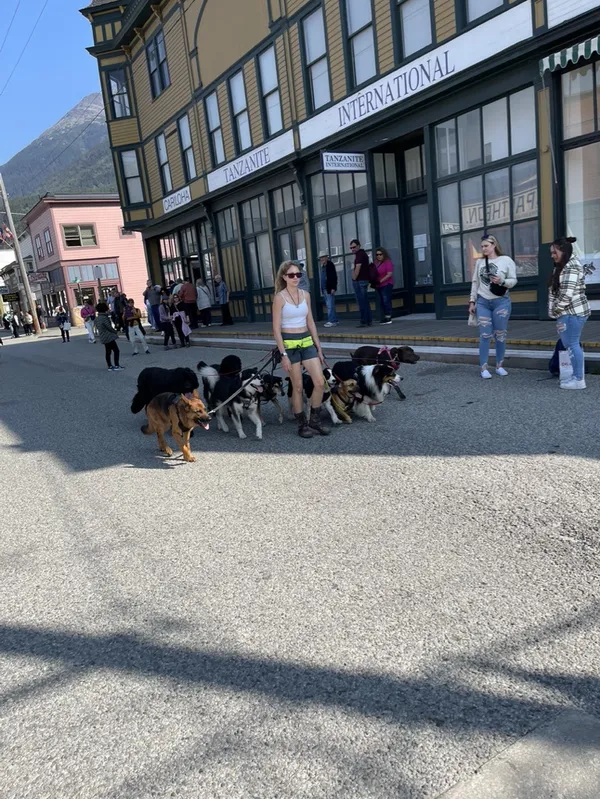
(570, 55)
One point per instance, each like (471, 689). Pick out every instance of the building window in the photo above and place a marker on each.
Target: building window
(257, 242)
(341, 201)
(171, 264)
(157, 65)
(287, 206)
(123, 231)
(270, 91)
(414, 169)
(187, 150)
(581, 118)
(207, 257)
(478, 8)
(386, 183)
(415, 24)
(239, 105)
(48, 242)
(214, 129)
(133, 181)
(119, 94)
(315, 56)
(79, 236)
(500, 198)
(198, 262)
(91, 272)
(359, 16)
(227, 225)
(163, 163)
(39, 248)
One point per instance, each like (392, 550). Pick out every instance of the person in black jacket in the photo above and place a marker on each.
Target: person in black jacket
(329, 283)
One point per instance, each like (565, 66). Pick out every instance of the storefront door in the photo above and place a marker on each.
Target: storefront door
(418, 257)
(291, 245)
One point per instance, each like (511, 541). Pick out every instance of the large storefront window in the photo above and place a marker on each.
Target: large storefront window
(170, 259)
(338, 198)
(581, 117)
(498, 193)
(197, 260)
(257, 242)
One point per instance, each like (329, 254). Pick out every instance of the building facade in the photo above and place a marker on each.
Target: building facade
(247, 133)
(81, 245)
(10, 275)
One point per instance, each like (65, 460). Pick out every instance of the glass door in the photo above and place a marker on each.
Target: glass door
(418, 252)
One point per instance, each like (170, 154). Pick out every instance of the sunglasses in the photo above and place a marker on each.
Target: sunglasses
(294, 275)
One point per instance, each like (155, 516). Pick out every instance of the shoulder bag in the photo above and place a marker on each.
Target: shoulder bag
(497, 290)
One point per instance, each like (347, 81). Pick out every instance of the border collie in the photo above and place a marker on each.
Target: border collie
(369, 354)
(218, 387)
(374, 384)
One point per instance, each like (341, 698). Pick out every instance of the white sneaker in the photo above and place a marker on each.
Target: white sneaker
(500, 370)
(485, 374)
(573, 384)
(328, 324)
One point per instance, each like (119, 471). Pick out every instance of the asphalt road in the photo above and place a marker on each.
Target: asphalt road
(374, 614)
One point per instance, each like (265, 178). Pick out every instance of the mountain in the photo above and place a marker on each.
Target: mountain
(71, 157)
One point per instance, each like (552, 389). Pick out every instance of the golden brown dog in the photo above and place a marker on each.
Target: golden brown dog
(342, 399)
(180, 414)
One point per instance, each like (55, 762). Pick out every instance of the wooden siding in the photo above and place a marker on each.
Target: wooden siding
(385, 38)
(124, 131)
(253, 100)
(198, 188)
(154, 112)
(337, 67)
(445, 19)
(175, 162)
(296, 59)
(138, 215)
(275, 7)
(98, 34)
(284, 88)
(226, 121)
(295, 5)
(114, 59)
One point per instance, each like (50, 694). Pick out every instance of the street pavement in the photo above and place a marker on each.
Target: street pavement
(373, 614)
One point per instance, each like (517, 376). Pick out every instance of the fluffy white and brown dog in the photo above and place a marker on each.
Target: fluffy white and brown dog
(374, 384)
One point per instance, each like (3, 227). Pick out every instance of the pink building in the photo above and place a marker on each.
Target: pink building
(79, 239)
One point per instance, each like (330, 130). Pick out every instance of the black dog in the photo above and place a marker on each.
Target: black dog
(367, 355)
(154, 380)
(272, 389)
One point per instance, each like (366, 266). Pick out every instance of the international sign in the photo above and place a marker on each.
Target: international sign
(344, 162)
(177, 199)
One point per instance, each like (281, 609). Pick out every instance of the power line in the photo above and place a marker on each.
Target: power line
(9, 27)
(14, 69)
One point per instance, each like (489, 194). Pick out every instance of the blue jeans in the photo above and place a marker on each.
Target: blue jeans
(330, 303)
(385, 301)
(361, 288)
(493, 316)
(569, 329)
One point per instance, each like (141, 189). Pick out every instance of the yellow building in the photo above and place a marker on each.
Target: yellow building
(246, 132)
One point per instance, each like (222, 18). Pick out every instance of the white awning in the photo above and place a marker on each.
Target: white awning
(570, 55)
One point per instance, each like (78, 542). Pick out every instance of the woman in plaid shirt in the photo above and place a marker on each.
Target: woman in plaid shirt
(568, 304)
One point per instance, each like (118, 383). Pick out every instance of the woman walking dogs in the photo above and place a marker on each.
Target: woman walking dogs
(568, 304)
(296, 336)
(493, 276)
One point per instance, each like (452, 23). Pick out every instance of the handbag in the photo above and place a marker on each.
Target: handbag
(498, 291)
(66, 326)
(473, 320)
(373, 276)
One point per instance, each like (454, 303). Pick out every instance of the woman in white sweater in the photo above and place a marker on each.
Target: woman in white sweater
(493, 276)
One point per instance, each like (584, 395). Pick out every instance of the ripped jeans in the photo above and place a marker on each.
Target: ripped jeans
(569, 328)
(492, 316)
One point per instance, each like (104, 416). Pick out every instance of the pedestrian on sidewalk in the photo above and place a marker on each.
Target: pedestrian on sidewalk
(64, 323)
(152, 299)
(133, 320)
(223, 300)
(189, 295)
(166, 321)
(108, 336)
(88, 314)
(203, 303)
(180, 321)
(360, 282)
(6, 321)
(27, 321)
(329, 284)
(493, 276)
(123, 305)
(298, 342)
(15, 323)
(567, 303)
(385, 284)
(41, 315)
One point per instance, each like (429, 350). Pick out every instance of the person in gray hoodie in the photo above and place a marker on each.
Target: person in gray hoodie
(152, 296)
(108, 336)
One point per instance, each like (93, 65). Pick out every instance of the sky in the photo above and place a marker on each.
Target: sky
(54, 74)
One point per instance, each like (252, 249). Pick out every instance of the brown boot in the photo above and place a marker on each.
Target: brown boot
(304, 430)
(316, 424)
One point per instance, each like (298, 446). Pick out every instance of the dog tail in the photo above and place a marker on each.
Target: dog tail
(137, 403)
(208, 373)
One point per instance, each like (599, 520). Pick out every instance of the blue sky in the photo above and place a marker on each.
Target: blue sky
(55, 72)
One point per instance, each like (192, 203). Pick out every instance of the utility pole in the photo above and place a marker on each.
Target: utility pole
(17, 246)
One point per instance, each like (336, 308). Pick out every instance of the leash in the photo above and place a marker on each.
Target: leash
(271, 357)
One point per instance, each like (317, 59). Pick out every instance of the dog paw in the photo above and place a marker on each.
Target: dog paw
(337, 421)
(259, 436)
(243, 435)
(167, 452)
(191, 459)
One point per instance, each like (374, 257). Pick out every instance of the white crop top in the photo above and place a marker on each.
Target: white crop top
(294, 315)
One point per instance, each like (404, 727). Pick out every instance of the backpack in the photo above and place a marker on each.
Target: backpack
(373, 276)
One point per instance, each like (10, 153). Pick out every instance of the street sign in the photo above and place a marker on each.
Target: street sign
(10, 297)
(4, 290)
